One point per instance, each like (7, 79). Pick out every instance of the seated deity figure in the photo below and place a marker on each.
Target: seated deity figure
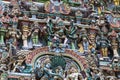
(46, 72)
(74, 74)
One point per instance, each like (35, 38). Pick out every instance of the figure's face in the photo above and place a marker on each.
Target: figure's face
(73, 70)
(25, 33)
(84, 39)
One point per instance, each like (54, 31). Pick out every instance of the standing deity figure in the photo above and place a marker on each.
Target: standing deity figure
(50, 31)
(93, 30)
(114, 43)
(103, 44)
(84, 45)
(25, 35)
(79, 16)
(15, 21)
(72, 36)
(14, 34)
(36, 35)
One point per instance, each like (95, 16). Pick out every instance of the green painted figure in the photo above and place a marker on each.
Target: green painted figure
(50, 31)
(71, 34)
(2, 35)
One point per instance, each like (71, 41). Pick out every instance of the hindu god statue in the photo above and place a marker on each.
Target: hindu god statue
(103, 44)
(84, 45)
(25, 37)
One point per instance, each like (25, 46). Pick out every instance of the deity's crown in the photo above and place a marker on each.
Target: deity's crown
(25, 28)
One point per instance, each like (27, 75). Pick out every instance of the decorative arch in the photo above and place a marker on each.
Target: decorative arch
(80, 60)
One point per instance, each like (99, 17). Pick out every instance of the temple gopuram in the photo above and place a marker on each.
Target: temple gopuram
(59, 39)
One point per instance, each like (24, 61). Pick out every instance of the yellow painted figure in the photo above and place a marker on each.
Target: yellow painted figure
(117, 2)
(104, 52)
(103, 44)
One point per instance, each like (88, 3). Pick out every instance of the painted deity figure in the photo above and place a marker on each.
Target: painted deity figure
(25, 35)
(59, 40)
(47, 72)
(92, 37)
(79, 16)
(103, 43)
(71, 35)
(50, 31)
(15, 21)
(74, 74)
(84, 45)
(36, 37)
(14, 34)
